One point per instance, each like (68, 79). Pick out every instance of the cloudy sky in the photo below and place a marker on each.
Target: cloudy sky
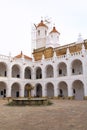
(17, 16)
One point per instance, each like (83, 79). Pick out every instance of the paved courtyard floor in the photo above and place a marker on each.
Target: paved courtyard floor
(61, 115)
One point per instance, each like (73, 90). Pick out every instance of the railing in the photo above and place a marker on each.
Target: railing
(4, 57)
(61, 57)
(76, 53)
(48, 59)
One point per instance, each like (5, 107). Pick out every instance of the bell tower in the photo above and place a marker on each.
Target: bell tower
(41, 34)
(54, 38)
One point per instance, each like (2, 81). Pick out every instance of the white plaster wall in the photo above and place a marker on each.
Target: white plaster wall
(69, 78)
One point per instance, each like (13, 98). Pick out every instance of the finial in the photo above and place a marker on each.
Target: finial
(80, 39)
(21, 53)
(41, 19)
(54, 24)
(9, 54)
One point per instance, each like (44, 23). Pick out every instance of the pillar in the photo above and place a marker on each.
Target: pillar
(33, 74)
(43, 73)
(85, 89)
(55, 90)
(70, 90)
(21, 91)
(69, 69)
(55, 71)
(9, 71)
(44, 91)
(8, 92)
(22, 73)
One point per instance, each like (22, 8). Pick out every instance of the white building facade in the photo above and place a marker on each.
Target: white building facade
(57, 76)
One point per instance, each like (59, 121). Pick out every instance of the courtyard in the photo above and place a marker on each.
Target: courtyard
(61, 115)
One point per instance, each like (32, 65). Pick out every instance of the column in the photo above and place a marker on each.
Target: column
(33, 74)
(33, 91)
(21, 91)
(8, 91)
(70, 90)
(44, 91)
(69, 69)
(85, 89)
(55, 71)
(9, 71)
(43, 73)
(22, 73)
(55, 92)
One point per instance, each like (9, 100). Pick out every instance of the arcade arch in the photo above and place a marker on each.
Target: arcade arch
(78, 90)
(16, 71)
(49, 71)
(63, 89)
(62, 69)
(2, 89)
(76, 67)
(50, 90)
(15, 90)
(3, 69)
(27, 73)
(38, 90)
(38, 73)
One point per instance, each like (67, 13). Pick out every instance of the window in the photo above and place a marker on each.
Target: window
(18, 76)
(29, 76)
(17, 94)
(39, 32)
(1, 92)
(40, 76)
(45, 32)
(61, 92)
(74, 91)
(73, 71)
(5, 73)
(60, 71)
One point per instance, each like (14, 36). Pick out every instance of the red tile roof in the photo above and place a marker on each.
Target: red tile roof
(20, 56)
(54, 30)
(41, 24)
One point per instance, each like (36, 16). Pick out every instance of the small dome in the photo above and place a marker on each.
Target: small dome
(21, 54)
(54, 30)
(41, 24)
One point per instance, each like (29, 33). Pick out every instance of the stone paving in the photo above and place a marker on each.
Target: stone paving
(61, 115)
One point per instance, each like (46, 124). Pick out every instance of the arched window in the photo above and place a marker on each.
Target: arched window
(38, 73)
(76, 67)
(49, 71)
(62, 69)
(16, 71)
(27, 73)
(38, 32)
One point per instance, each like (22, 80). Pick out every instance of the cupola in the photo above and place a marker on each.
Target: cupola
(41, 34)
(53, 38)
(54, 31)
(41, 24)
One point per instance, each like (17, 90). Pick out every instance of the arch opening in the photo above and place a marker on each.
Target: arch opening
(78, 90)
(50, 90)
(15, 90)
(76, 67)
(38, 90)
(63, 89)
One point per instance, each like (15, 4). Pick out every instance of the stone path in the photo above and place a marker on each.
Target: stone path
(62, 115)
